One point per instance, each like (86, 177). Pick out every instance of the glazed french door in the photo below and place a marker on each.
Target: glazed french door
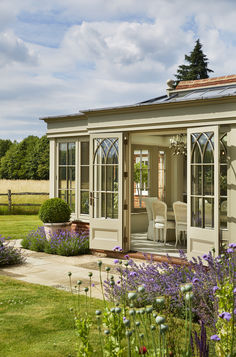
(203, 190)
(106, 158)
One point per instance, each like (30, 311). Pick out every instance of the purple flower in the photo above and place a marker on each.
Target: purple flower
(205, 256)
(230, 250)
(215, 338)
(116, 261)
(215, 288)
(225, 315)
(117, 248)
(126, 256)
(234, 290)
(195, 280)
(232, 245)
(133, 273)
(234, 311)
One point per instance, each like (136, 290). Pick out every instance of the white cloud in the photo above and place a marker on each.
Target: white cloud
(57, 57)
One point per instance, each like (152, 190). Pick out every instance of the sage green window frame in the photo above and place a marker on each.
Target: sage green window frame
(66, 172)
(81, 188)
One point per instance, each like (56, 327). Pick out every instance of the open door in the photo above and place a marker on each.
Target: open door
(106, 188)
(203, 190)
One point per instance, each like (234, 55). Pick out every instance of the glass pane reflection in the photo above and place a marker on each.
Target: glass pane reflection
(196, 214)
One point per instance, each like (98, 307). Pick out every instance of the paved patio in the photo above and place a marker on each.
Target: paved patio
(52, 270)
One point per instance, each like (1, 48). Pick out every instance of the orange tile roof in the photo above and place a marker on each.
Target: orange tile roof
(207, 82)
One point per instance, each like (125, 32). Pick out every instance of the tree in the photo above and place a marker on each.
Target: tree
(27, 160)
(4, 146)
(197, 67)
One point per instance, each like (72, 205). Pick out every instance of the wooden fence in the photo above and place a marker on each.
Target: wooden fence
(9, 195)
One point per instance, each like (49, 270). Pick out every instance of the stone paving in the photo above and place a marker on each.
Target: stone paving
(52, 270)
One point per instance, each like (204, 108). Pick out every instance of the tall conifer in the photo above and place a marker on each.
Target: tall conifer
(197, 67)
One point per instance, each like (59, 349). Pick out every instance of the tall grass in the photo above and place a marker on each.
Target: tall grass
(23, 186)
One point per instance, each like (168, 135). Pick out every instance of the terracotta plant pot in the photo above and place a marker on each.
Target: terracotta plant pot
(51, 228)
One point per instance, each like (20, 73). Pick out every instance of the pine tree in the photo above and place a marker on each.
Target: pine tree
(197, 67)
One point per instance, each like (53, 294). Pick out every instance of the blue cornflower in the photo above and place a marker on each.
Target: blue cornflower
(215, 338)
(225, 315)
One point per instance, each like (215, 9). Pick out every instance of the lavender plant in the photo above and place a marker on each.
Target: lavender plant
(165, 278)
(63, 243)
(9, 255)
(225, 292)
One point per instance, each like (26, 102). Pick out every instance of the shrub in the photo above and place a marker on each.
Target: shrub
(62, 243)
(54, 210)
(9, 255)
(165, 279)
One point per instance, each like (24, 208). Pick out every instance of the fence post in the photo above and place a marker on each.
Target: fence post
(9, 200)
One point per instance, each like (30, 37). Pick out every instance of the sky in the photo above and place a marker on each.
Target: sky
(61, 56)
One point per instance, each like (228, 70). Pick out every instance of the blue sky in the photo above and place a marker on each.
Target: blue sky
(57, 56)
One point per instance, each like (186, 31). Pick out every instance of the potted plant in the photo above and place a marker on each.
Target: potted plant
(55, 214)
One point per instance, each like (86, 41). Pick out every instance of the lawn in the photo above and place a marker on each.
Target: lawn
(17, 226)
(37, 321)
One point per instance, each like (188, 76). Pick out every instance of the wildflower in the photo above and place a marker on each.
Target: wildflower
(117, 248)
(215, 338)
(232, 245)
(142, 350)
(225, 315)
(116, 261)
(215, 288)
(133, 273)
(205, 256)
(230, 250)
(126, 256)
(195, 280)
(234, 290)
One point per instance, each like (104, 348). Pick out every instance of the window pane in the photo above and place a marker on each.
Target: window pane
(71, 154)
(71, 199)
(84, 208)
(223, 180)
(71, 177)
(85, 153)
(85, 177)
(196, 214)
(208, 180)
(209, 153)
(112, 205)
(112, 178)
(196, 180)
(62, 177)
(62, 153)
(223, 213)
(141, 177)
(209, 212)
(63, 195)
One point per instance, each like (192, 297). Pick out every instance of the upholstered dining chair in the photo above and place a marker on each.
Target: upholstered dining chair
(148, 204)
(180, 212)
(160, 222)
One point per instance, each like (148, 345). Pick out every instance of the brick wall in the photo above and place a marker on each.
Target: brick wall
(78, 226)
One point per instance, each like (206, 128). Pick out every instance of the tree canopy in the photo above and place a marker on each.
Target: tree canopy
(28, 159)
(197, 67)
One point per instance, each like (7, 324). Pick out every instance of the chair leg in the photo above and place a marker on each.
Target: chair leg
(164, 238)
(177, 236)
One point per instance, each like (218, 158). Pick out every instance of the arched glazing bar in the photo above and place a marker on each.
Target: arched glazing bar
(105, 185)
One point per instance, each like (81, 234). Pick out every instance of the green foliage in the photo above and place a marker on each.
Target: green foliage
(4, 146)
(197, 67)
(54, 210)
(28, 159)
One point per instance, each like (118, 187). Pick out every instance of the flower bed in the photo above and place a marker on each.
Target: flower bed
(62, 243)
(165, 279)
(9, 255)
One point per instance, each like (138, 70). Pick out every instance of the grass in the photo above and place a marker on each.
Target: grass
(36, 320)
(17, 226)
(17, 186)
